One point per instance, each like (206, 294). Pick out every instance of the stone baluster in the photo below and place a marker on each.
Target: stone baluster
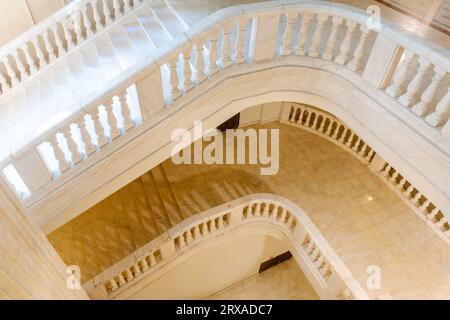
(265, 213)
(174, 79)
(408, 191)
(424, 105)
(144, 265)
(303, 36)
(441, 223)
(39, 53)
(86, 21)
(107, 12)
(63, 164)
(394, 177)
(417, 198)
(386, 171)
(308, 119)
(197, 234)
(344, 135)
(432, 215)
(96, 16)
(283, 215)
(200, 63)
(59, 43)
(113, 284)
(356, 144)
(401, 75)
(220, 224)
(240, 41)
(4, 83)
(128, 122)
(152, 259)
(328, 54)
(189, 237)
(226, 54)
(98, 128)
(122, 280)
(187, 71)
(337, 130)
(274, 212)
(424, 207)
(330, 127)
(68, 36)
(288, 41)
(111, 120)
(357, 62)
(412, 91)
(204, 228)
(181, 241)
(349, 141)
(257, 209)
(85, 136)
(29, 60)
(10, 72)
(117, 11)
(370, 155)
(401, 185)
(48, 45)
(314, 51)
(346, 45)
(71, 145)
(299, 119)
(321, 128)
(212, 226)
(129, 274)
(213, 59)
(77, 27)
(316, 121)
(126, 6)
(20, 66)
(442, 112)
(136, 270)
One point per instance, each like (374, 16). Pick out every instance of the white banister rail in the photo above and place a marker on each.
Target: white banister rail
(408, 73)
(327, 273)
(59, 34)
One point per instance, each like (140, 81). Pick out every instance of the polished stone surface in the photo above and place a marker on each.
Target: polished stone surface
(362, 219)
(284, 281)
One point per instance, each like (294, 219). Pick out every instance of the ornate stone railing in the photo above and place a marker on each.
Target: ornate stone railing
(325, 270)
(329, 127)
(240, 37)
(55, 37)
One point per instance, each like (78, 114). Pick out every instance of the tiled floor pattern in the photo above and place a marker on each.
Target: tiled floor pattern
(362, 219)
(284, 281)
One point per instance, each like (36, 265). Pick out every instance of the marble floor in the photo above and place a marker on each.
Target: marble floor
(405, 21)
(364, 221)
(284, 281)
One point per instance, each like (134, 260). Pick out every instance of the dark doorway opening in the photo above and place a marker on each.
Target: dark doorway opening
(232, 123)
(274, 261)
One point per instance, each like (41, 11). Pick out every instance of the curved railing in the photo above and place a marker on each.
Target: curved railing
(325, 270)
(410, 74)
(56, 36)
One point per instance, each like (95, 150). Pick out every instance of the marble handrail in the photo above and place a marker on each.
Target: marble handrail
(327, 273)
(238, 37)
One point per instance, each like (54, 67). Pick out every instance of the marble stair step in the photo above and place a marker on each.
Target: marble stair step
(141, 43)
(122, 47)
(153, 28)
(158, 210)
(166, 195)
(107, 57)
(169, 20)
